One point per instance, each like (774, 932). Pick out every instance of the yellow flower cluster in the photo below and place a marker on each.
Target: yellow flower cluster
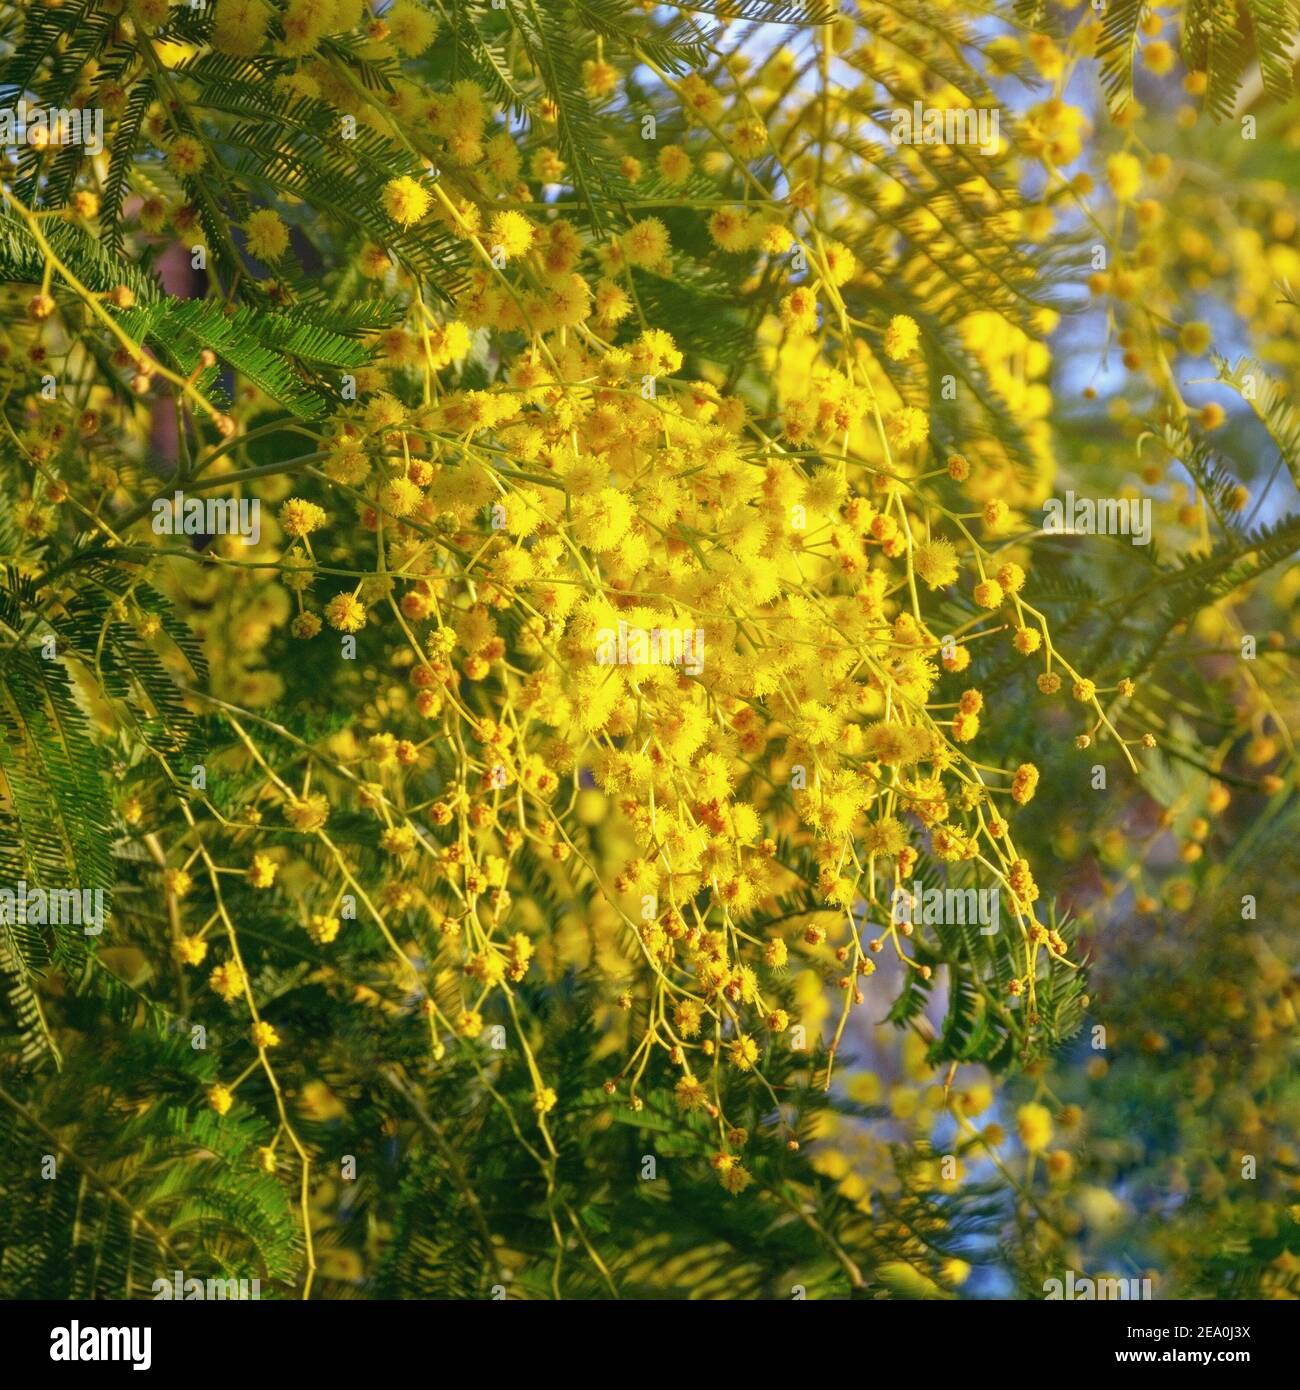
(695, 640)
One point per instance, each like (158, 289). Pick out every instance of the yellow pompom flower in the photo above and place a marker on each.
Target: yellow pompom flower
(731, 229)
(1124, 175)
(227, 980)
(1194, 338)
(612, 303)
(965, 726)
(654, 352)
(300, 518)
(186, 156)
(988, 593)
(385, 412)
(305, 23)
(398, 839)
(346, 613)
(901, 337)
(907, 427)
(731, 1174)
(1034, 1123)
(262, 871)
(469, 1023)
(448, 342)
(842, 266)
(799, 310)
(886, 836)
(601, 521)
(406, 200)
(690, 1094)
(322, 929)
(674, 164)
(1012, 577)
(267, 236)
(309, 814)
(1060, 1165)
(1159, 57)
(191, 950)
(177, 882)
(239, 27)
(775, 239)
(411, 27)
(645, 243)
(936, 562)
(1024, 783)
(264, 1035)
(510, 233)
(400, 497)
(599, 78)
(486, 966)
(974, 1100)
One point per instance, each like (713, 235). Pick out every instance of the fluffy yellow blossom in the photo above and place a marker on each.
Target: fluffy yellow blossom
(936, 562)
(239, 26)
(1024, 783)
(186, 156)
(300, 518)
(191, 950)
(511, 233)
(646, 243)
(1124, 175)
(988, 593)
(268, 237)
(1034, 1123)
(262, 871)
(907, 427)
(227, 980)
(1159, 57)
(411, 27)
(177, 882)
(346, 613)
(674, 164)
(799, 310)
(308, 814)
(406, 201)
(901, 337)
(305, 23)
(1194, 338)
(322, 929)
(398, 839)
